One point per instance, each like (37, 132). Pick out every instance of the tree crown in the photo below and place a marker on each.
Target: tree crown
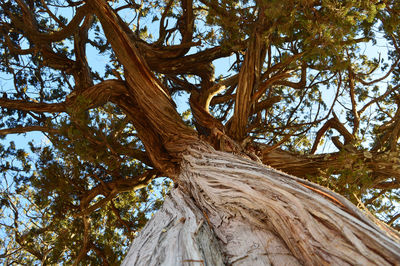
(308, 87)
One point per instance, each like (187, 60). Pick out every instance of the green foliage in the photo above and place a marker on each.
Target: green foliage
(42, 213)
(88, 188)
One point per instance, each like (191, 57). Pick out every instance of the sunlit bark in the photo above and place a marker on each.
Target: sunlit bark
(259, 216)
(226, 209)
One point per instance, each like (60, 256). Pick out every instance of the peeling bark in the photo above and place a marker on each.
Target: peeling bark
(260, 216)
(178, 234)
(226, 209)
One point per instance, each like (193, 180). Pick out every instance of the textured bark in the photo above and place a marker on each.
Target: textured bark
(249, 78)
(150, 106)
(226, 209)
(260, 216)
(380, 164)
(178, 234)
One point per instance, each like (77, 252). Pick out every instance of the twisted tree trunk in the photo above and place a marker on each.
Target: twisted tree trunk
(229, 210)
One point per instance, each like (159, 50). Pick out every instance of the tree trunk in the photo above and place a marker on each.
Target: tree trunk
(230, 210)
(227, 209)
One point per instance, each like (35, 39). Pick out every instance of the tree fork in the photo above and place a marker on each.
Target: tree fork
(153, 101)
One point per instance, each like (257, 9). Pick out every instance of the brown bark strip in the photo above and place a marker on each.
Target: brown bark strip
(323, 194)
(32, 106)
(249, 76)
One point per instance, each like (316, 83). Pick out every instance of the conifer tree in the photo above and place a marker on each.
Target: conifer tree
(200, 132)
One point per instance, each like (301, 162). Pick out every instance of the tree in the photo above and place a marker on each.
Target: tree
(296, 76)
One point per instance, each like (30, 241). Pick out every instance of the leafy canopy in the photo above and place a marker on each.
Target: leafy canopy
(309, 87)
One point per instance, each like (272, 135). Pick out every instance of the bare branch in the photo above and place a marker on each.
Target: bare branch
(18, 130)
(32, 106)
(379, 98)
(28, 24)
(356, 117)
(336, 124)
(368, 83)
(394, 218)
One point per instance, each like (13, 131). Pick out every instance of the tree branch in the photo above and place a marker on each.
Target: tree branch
(32, 106)
(96, 96)
(332, 123)
(28, 24)
(249, 77)
(85, 240)
(112, 188)
(388, 185)
(25, 129)
(367, 83)
(356, 117)
(379, 165)
(151, 97)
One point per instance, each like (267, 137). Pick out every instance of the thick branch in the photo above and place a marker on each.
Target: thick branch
(28, 24)
(32, 106)
(152, 99)
(197, 64)
(207, 94)
(95, 95)
(388, 185)
(85, 241)
(267, 103)
(83, 77)
(249, 77)
(336, 124)
(297, 85)
(379, 165)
